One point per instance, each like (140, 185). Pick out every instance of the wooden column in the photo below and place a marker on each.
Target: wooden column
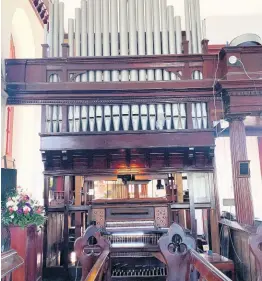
(78, 216)
(180, 198)
(242, 189)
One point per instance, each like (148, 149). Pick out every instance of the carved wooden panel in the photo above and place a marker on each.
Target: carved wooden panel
(161, 217)
(98, 215)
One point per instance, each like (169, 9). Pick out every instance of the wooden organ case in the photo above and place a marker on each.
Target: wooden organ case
(125, 99)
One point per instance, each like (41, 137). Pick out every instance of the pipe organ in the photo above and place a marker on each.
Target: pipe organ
(124, 28)
(114, 118)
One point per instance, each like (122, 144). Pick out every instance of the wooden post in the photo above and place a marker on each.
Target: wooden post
(242, 189)
(136, 192)
(260, 152)
(180, 198)
(78, 222)
(68, 185)
(192, 205)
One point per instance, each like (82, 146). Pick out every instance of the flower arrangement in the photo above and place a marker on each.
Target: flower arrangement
(21, 210)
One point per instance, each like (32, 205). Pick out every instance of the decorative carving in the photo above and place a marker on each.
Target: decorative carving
(98, 215)
(88, 248)
(175, 247)
(232, 118)
(255, 243)
(161, 217)
(74, 101)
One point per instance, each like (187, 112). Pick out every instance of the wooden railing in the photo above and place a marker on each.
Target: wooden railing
(205, 271)
(99, 268)
(182, 261)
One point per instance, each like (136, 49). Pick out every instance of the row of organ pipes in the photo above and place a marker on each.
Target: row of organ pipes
(126, 117)
(123, 28)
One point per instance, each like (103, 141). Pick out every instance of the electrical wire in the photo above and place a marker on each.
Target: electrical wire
(77, 265)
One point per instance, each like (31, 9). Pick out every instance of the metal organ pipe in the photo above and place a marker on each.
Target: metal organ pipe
(61, 26)
(171, 30)
(149, 36)
(132, 35)
(123, 35)
(91, 36)
(198, 24)
(114, 34)
(51, 29)
(106, 41)
(157, 42)
(178, 35)
(187, 24)
(77, 36)
(83, 35)
(141, 35)
(56, 28)
(194, 28)
(71, 37)
(98, 36)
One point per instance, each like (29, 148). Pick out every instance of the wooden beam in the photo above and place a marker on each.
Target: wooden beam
(78, 222)
(180, 198)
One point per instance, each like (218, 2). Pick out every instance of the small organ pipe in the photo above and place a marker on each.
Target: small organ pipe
(106, 42)
(51, 30)
(91, 36)
(61, 26)
(56, 28)
(123, 35)
(187, 24)
(71, 37)
(149, 36)
(132, 35)
(141, 35)
(114, 34)
(178, 35)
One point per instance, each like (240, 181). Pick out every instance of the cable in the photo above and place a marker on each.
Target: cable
(248, 74)
(76, 269)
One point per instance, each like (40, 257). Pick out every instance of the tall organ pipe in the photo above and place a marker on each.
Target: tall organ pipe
(56, 29)
(77, 36)
(91, 36)
(157, 41)
(187, 24)
(98, 36)
(149, 37)
(114, 35)
(171, 30)
(84, 35)
(165, 50)
(132, 35)
(51, 29)
(141, 35)
(194, 28)
(163, 8)
(106, 42)
(178, 35)
(61, 26)
(198, 23)
(71, 37)
(123, 35)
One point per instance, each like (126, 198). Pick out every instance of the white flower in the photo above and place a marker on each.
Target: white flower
(15, 208)
(26, 209)
(12, 216)
(10, 204)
